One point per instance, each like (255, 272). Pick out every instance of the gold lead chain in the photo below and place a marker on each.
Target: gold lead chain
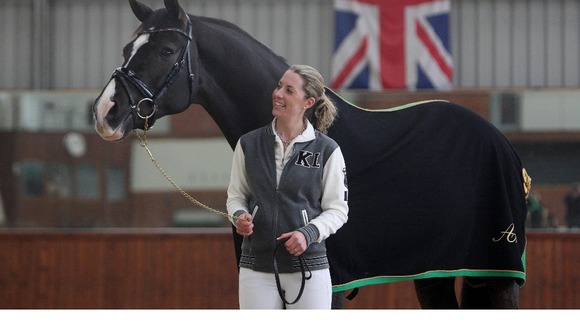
(143, 143)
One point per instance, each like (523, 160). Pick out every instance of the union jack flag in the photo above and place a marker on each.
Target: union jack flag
(392, 44)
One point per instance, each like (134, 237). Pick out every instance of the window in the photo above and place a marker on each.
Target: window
(87, 181)
(58, 182)
(54, 179)
(32, 178)
(45, 179)
(115, 187)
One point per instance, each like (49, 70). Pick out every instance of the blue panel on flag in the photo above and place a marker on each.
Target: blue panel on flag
(362, 80)
(423, 81)
(440, 25)
(345, 22)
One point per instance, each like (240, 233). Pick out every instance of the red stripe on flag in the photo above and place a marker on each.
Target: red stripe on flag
(359, 55)
(422, 34)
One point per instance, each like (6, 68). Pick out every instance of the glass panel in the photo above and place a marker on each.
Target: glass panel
(58, 180)
(510, 109)
(87, 181)
(7, 112)
(115, 184)
(550, 162)
(31, 175)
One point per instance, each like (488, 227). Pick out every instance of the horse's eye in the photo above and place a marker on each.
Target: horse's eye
(166, 53)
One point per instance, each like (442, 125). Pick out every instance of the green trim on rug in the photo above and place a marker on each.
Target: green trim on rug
(520, 276)
(431, 274)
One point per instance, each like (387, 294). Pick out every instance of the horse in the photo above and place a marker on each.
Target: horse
(435, 191)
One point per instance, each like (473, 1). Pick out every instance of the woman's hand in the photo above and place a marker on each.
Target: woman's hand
(296, 243)
(244, 224)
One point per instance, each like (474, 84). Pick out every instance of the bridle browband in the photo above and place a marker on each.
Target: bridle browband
(126, 75)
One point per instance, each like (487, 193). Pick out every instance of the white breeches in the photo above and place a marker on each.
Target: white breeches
(257, 290)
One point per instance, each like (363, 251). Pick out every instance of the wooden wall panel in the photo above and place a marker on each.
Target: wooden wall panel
(117, 270)
(553, 261)
(175, 268)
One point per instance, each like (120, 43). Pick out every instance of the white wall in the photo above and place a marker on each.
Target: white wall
(550, 111)
(198, 164)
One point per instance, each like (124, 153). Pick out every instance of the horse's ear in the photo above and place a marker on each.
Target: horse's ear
(175, 10)
(140, 10)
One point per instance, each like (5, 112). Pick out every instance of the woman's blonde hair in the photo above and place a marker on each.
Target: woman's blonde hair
(323, 112)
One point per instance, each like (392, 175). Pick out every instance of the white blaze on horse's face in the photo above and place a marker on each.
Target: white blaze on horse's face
(137, 44)
(105, 102)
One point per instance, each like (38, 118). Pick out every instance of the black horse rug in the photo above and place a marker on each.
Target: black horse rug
(450, 201)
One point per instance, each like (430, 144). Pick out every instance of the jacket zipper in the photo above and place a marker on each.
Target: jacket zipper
(305, 217)
(277, 212)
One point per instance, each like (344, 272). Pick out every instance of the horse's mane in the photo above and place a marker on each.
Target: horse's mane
(258, 48)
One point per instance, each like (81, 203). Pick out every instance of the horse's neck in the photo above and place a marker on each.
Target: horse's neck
(236, 110)
(224, 111)
(237, 93)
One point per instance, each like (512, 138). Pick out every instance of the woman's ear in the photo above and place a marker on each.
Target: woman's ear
(309, 102)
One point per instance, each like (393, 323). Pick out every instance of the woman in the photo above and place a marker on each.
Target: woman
(288, 185)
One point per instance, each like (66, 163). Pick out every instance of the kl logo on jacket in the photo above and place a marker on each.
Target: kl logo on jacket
(308, 159)
(392, 44)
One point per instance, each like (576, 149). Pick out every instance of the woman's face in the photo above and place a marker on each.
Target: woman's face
(289, 102)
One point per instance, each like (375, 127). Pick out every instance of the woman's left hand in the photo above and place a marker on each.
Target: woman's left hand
(296, 243)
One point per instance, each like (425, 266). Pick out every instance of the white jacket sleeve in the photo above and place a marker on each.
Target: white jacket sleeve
(238, 189)
(334, 197)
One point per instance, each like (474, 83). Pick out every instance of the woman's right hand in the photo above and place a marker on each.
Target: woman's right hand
(244, 224)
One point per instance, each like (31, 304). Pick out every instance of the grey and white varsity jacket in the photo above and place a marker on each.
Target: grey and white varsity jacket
(304, 189)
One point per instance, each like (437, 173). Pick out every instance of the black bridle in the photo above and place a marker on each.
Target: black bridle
(127, 76)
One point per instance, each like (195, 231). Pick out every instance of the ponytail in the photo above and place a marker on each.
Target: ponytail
(323, 112)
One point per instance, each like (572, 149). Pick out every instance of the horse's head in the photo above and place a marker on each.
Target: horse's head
(156, 78)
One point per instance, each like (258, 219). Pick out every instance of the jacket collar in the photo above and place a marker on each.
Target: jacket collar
(306, 136)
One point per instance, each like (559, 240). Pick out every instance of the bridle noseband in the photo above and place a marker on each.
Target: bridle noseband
(126, 75)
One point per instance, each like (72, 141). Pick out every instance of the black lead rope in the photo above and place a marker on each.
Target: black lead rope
(303, 268)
